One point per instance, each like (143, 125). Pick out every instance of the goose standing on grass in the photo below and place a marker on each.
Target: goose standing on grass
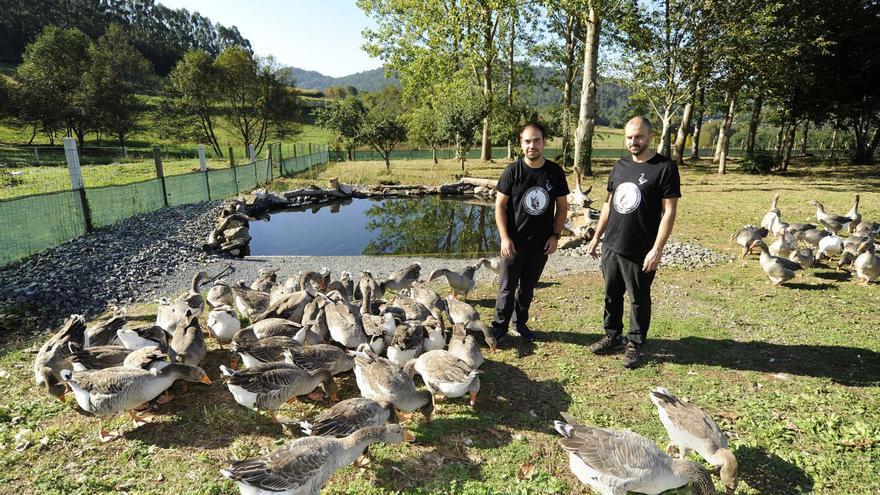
(614, 462)
(778, 269)
(344, 325)
(465, 347)
(428, 298)
(407, 343)
(187, 344)
(401, 279)
(112, 391)
(493, 264)
(320, 356)
(854, 216)
(691, 429)
(867, 264)
(348, 416)
(223, 323)
(220, 294)
(386, 383)
(302, 466)
(813, 236)
(446, 375)
(465, 314)
(829, 246)
(265, 350)
(461, 282)
(783, 245)
(834, 223)
(772, 214)
(267, 386)
(248, 301)
(54, 355)
(267, 278)
(747, 236)
(192, 299)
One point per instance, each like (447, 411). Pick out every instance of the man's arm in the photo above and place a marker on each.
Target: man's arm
(600, 228)
(507, 247)
(652, 260)
(558, 223)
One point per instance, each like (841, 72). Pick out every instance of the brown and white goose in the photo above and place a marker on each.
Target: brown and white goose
(348, 416)
(320, 356)
(465, 314)
(867, 264)
(461, 282)
(187, 344)
(834, 223)
(265, 350)
(407, 342)
(248, 301)
(854, 216)
(383, 381)
(614, 462)
(691, 429)
(401, 279)
(302, 466)
(54, 355)
(772, 214)
(778, 269)
(445, 374)
(112, 391)
(746, 237)
(465, 347)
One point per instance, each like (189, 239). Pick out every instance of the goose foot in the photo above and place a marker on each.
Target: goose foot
(140, 420)
(165, 398)
(105, 436)
(362, 461)
(316, 395)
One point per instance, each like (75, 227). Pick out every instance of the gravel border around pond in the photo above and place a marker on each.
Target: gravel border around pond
(155, 254)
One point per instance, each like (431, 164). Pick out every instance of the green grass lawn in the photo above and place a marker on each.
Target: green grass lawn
(790, 373)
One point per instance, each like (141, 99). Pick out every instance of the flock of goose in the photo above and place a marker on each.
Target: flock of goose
(798, 246)
(308, 329)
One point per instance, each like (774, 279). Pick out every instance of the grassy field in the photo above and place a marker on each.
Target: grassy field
(790, 373)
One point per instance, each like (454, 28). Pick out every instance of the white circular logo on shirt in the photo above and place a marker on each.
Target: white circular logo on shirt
(536, 200)
(627, 198)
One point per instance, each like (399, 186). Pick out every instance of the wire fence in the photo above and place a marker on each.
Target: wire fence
(31, 224)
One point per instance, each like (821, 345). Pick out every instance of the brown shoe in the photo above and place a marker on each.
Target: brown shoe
(631, 356)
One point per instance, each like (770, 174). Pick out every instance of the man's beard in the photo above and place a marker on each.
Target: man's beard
(637, 150)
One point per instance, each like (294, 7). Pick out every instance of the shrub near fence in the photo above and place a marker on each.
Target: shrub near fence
(31, 224)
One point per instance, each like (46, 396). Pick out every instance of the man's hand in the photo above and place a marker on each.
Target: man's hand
(550, 245)
(507, 247)
(652, 260)
(591, 248)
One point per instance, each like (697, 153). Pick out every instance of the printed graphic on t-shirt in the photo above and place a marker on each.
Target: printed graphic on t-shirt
(627, 198)
(536, 200)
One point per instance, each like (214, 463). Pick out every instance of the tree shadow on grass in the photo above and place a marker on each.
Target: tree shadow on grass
(851, 366)
(768, 473)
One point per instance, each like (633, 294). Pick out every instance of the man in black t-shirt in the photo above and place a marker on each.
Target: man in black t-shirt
(530, 211)
(637, 218)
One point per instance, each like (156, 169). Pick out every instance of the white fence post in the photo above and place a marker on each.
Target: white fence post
(76, 179)
(203, 164)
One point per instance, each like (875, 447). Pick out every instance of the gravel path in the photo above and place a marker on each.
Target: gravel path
(156, 254)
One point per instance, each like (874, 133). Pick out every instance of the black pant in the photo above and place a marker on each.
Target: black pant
(524, 269)
(624, 274)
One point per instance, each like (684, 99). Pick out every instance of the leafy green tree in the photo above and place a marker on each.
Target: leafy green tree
(423, 128)
(461, 115)
(345, 120)
(191, 107)
(383, 129)
(50, 82)
(116, 69)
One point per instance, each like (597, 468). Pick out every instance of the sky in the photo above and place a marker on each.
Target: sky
(322, 35)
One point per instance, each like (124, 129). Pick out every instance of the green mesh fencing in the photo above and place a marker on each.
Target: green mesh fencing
(111, 204)
(262, 171)
(246, 176)
(222, 183)
(32, 224)
(186, 188)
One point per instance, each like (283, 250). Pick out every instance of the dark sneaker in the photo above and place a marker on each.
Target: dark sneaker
(607, 345)
(499, 334)
(631, 356)
(526, 333)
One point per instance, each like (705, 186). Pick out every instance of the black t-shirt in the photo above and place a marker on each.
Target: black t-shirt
(532, 204)
(636, 206)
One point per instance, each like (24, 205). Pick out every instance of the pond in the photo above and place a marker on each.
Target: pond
(424, 226)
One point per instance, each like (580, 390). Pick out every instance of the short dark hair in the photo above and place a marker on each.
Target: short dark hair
(537, 125)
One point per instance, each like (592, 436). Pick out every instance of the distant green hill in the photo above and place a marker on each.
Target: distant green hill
(613, 97)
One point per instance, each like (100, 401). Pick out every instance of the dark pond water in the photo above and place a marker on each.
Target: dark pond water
(400, 226)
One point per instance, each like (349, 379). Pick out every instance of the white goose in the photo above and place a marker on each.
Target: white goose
(772, 214)
(614, 462)
(690, 428)
(223, 324)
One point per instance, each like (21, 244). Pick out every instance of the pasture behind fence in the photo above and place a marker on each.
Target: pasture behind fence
(34, 223)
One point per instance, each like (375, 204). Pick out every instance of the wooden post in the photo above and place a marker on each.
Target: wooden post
(281, 159)
(76, 180)
(269, 164)
(160, 174)
(203, 167)
(231, 158)
(36, 155)
(232, 166)
(250, 153)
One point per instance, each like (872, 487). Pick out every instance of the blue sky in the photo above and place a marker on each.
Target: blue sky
(322, 35)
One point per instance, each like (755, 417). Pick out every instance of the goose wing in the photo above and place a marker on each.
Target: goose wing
(99, 357)
(346, 417)
(443, 367)
(267, 378)
(690, 418)
(788, 264)
(298, 464)
(108, 381)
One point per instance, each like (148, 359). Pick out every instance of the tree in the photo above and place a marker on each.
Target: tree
(191, 106)
(383, 129)
(50, 82)
(462, 113)
(345, 120)
(116, 69)
(566, 22)
(423, 128)
(257, 102)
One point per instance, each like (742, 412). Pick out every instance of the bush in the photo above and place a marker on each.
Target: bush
(758, 162)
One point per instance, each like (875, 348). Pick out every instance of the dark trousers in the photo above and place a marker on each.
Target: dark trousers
(624, 274)
(524, 269)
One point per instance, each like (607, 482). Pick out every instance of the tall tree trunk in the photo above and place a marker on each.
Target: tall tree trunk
(571, 29)
(510, 49)
(33, 134)
(833, 145)
(724, 132)
(861, 131)
(583, 144)
(666, 122)
(806, 136)
(789, 144)
(684, 127)
(872, 146)
(780, 136)
(488, 60)
(434, 153)
(695, 146)
(753, 124)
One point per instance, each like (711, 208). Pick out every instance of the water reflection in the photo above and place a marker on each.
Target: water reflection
(399, 226)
